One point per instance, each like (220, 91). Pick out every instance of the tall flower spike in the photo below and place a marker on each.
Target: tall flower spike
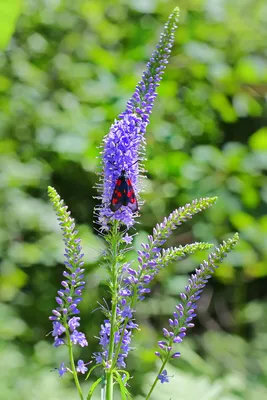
(185, 311)
(69, 295)
(123, 147)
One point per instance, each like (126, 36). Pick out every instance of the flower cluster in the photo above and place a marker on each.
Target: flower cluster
(124, 144)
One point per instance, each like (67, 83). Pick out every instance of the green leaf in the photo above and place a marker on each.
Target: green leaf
(258, 141)
(9, 13)
(93, 387)
(242, 220)
(124, 392)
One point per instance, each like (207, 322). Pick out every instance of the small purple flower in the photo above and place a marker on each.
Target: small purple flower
(74, 323)
(81, 367)
(58, 329)
(163, 377)
(78, 338)
(127, 312)
(62, 370)
(58, 342)
(127, 239)
(98, 358)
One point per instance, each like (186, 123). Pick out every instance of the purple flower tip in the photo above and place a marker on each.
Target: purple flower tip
(176, 355)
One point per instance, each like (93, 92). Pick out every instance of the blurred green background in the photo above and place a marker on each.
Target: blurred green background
(66, 73)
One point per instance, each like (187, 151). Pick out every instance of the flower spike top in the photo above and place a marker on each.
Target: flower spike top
(123, 146)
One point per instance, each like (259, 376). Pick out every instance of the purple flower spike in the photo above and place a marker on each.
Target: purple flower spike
(68, 296)
(123, 147)
(178, 327)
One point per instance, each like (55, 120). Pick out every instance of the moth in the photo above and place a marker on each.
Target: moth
(123, 194)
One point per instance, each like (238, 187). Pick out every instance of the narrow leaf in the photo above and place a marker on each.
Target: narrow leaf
(93, 387)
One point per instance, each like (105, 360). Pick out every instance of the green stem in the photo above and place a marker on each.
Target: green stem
(75, 376)
(156, 379)
(114, 291)
(109, 387)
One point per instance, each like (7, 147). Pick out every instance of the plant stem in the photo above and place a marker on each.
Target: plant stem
(156, 379)
(75, 376)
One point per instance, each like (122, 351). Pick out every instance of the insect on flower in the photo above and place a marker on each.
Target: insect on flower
(123, 194)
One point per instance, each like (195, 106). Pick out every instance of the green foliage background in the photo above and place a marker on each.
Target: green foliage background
(66, 74)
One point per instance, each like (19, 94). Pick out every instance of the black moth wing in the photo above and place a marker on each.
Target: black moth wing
(131, 198)
(123, 194)
(117, 197)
